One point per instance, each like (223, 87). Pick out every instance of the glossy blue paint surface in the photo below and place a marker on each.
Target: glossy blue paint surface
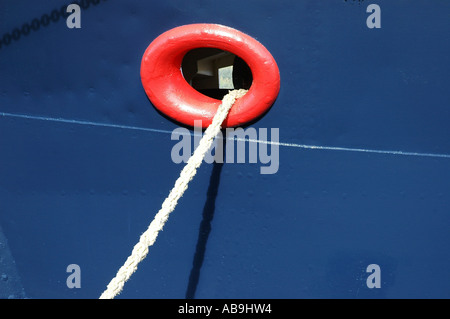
(85, 158)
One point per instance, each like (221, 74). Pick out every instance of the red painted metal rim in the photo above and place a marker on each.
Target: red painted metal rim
(170, 93)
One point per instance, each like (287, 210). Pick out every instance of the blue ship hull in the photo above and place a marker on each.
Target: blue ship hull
(364, 155)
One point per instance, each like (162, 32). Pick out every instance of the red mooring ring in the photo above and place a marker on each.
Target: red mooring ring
(171, 94)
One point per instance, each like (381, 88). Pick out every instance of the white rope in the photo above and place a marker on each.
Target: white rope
(148, 238)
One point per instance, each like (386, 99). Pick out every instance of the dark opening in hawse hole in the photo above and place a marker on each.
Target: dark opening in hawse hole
(213, 72)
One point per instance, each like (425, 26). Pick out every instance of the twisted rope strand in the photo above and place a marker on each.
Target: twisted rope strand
(148, 238)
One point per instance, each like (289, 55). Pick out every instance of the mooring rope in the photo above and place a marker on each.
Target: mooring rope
(148, 238)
